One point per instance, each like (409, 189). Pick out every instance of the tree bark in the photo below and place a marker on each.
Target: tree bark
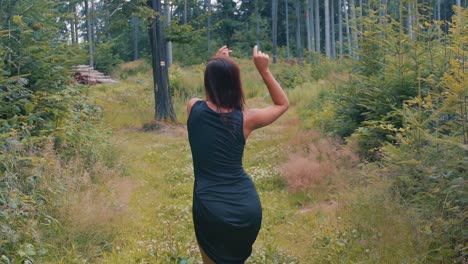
(333, 29)
(257, 24)
(286, 8)
(317, 27)
(75, 23)
(311, 24)
(354, 27)
(274, 26)
(348, 30)
(298, 32)
(168, 43)
(136, 30)
(410, 21)
(327, 29)
(208, 22)
(185, 12)
(340, 27)
(89, 31)
(72, 24)
(164, 110)
(309, 35)
(93, 24)
(438, 9)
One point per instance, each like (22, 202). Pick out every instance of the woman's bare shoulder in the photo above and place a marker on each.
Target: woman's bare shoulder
(191, 102)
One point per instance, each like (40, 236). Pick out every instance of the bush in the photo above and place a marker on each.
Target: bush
(435, 185)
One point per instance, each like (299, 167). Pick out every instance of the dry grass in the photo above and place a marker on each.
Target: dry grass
(85, 201)
(314, 159)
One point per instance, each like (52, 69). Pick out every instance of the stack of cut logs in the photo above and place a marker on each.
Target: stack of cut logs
(85, 74)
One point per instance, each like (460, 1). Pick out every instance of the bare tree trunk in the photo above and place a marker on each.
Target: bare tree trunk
(360, 16)
(309, 37)
(382, 14)
(136, 30)
(89, 30)
(340, 27)
(185, 12)
(257, 24)
(286, 8)
(327, 29)
(459, 3)
(311, 23)
(93, 24)
(298, 32)
(164, 111)
(75, 24)
(168, 43)
(438, 9)
(410, 21)
(317, 26)
(274, 19)
(208, 29)
(333, 30)
(354, 27)
(72, 24)
(348, 29)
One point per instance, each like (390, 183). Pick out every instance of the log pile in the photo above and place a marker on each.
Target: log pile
(85, 74)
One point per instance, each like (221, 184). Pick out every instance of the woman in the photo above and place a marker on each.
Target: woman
(227, 213)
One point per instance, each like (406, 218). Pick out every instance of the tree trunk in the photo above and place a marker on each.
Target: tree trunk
(382, 14)
(286, 8)
(438, 9)
(312, 24)
(361, 10)
(340, 27)
(459, 3)
(164, 111)
(327, 28)
(298, 32)
(333, 29)
(72, 24)
(257, 24)
(208, 22)
(93, 24)
(274, 26)
(317, 27)
(89, 31)
(354, 27)
(168, 43)
(136, 30)
(309, 37)
(185, 12)
(75, 23)
(410, 21)
(348, 30)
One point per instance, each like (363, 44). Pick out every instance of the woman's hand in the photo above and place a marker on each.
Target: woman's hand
(261, 60)
(223, 51)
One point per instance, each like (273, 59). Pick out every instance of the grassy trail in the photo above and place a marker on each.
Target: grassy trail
(156, 225)
(347, 218)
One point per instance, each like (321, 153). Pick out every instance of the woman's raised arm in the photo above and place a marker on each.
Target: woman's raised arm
(257, 118)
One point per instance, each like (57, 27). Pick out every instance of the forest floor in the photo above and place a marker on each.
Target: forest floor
(347, 218)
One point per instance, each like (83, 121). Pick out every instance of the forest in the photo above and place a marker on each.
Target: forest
(369, 164)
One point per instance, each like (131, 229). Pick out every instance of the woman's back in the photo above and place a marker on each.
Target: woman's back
(216, 140)
(225, 203)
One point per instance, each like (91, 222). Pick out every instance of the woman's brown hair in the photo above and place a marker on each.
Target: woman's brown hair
(223, 85)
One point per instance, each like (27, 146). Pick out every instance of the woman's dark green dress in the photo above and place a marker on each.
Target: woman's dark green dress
(227, 213)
